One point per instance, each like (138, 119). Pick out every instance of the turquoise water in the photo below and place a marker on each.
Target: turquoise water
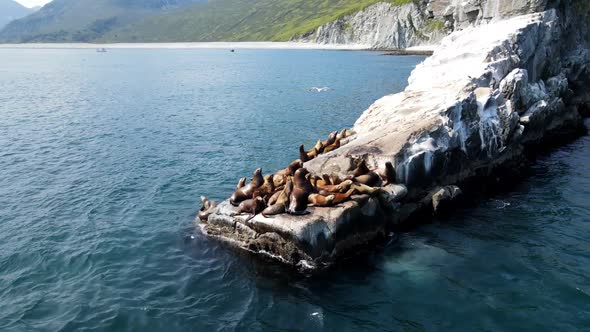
(104, 156)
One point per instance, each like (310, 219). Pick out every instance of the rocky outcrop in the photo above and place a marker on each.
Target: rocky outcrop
(488, 96)
(422, 22)
(382, 25)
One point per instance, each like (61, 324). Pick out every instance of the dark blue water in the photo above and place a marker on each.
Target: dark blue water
(103, 157)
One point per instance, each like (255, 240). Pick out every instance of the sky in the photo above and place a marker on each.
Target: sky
(32, 3)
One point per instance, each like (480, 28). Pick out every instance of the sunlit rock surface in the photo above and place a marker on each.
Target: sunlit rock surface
(486, 95)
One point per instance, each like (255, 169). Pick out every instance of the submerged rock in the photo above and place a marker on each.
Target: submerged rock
(487, 94)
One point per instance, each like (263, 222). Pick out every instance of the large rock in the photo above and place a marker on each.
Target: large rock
(486, 95)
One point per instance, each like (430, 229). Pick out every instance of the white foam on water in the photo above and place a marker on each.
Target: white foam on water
(319, 89)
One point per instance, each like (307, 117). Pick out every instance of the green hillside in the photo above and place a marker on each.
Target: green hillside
(215, 20)
(240, 20)
(84, 20)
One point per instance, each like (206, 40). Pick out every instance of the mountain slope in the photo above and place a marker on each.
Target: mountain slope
(11, 10)
(84, 20)
(179, 20)
(240, 20)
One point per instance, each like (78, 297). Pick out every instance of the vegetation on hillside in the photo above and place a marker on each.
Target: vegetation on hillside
(241, 20)
(186, 20)
(84, 20)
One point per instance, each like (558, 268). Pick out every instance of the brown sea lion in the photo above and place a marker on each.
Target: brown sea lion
(343, 134)
(335, 179)
(206, 208)
(319, 146)
(246, 192)
(332, 146)
(314, 153)
(361, 169)
(388, 174)
(360, 189)
(301, 190)
(273, 199)
(280, 205)
(241, 183)
(324, 181)
(303, 156)
(320, 200)
(331, 139)
(253, 206)
(314, 180)
(267, 188)
(290, 170)
(335, 188)
(342, 197)
(371, 179)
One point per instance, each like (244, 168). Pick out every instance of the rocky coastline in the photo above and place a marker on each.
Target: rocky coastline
(474, 113)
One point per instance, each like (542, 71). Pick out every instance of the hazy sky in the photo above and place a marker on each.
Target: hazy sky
(32, 3)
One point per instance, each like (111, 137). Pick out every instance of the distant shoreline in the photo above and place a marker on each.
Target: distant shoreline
(420, 50)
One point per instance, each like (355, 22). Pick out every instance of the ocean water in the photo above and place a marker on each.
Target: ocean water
(104, 155)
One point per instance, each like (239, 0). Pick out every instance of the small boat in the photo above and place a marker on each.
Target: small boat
(101, 50)
(232, 50)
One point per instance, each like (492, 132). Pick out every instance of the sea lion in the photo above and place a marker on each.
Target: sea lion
(246, 191)
(360, 189)
(335, 188)
(314, 180)
(342, 197)
(307, 156)
(331, 139)
(335, 179)
(323, 181)
(281, 202)
(206, 208)
(371, 179)
(273, 199)
(320, 200)
(267, 189)
(361, 169)
(253, 206)
(314, 153)
(333, 146)
(319, 146)
(301, 190)
(241, 183)
(290, 170)
(388, 174)
(343, 134)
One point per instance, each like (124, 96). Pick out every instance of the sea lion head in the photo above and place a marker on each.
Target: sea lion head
(318, 145)
(241, 183)
(295, 165)
(332, 137)
(257, 177)
(300, 178)
(204, 203)
(361, 168)
(389, 172)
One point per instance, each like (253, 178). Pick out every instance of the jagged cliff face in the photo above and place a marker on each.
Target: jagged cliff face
(380, 26)
(422, 22)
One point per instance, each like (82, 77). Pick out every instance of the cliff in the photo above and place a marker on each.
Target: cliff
(422, 22)
(488, 98)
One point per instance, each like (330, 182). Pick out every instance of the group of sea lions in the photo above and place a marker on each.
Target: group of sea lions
(293, 189)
